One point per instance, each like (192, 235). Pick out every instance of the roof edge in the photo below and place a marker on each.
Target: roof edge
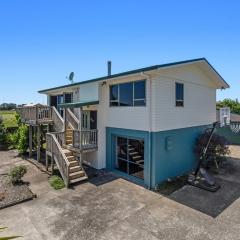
(121, 74)
(154, 67)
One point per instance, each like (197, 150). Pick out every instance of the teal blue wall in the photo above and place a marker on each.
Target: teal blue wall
(167, 153)
(172, 153)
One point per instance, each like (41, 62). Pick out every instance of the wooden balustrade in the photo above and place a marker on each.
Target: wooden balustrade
(85, 139)
(54, 149)
(36, 114)
(57, 120)
(71, 119)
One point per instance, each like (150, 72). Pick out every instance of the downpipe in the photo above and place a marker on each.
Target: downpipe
(149, 103)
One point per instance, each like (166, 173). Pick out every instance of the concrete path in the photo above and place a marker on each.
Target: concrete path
(235, 151)
(111, 211)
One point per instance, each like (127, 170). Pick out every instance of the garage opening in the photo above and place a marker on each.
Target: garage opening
(130, 156)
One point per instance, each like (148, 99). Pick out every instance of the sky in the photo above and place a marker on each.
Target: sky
(42, 41)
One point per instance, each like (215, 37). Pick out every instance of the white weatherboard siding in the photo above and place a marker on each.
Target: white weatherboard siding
(88, 92)
(199, 99)
(117, 117)
(126, 117)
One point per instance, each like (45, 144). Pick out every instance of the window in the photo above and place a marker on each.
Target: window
(128, 94)
(179, 94)
(129, 156)
(114, 95)
(139, 93)
(68, 97)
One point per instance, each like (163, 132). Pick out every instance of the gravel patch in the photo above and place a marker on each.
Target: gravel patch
(13, 194)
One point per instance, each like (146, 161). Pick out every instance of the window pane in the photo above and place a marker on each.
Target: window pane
(126, 94)
(179, 103)
(68, 97)
(122, 148)
(136, 170)
(139, 103)
(179, 91)
(121, 165)
(115, 103)
(114, 92)
(139, 89)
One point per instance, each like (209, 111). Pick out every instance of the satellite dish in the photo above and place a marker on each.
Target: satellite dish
(71, 76)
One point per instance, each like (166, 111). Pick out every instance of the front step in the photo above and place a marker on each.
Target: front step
(78, 180)
(75, 175)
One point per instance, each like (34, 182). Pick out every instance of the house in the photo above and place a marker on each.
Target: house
(141, 124)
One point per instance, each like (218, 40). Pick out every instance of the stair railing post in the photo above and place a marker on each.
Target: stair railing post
(64, 124)
(36, 114)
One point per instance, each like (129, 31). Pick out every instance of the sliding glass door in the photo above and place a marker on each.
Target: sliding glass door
(130, 156)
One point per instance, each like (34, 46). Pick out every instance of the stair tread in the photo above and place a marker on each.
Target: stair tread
(136, 156)
(76, 173)
(75, 167)
(66, 150)
(78, 179)
(71, 158)
(131, 153)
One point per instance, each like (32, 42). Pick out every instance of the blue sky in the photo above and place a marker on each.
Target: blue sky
(42, 41)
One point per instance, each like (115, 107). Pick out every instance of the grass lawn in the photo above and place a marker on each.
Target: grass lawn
(9, 119)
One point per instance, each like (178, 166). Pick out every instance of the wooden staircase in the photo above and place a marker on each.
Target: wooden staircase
(66, 144)
(135, 156)
(76, 171)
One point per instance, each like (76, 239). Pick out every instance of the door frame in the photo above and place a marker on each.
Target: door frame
(111, 134)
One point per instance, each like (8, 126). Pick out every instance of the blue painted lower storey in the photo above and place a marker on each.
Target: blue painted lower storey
(167, 154)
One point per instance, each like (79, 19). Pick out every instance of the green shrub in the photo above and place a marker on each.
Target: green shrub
(17, 173)
(56, 182)
(3, 133)
(217, 150)
(22, 144)
(12, 139)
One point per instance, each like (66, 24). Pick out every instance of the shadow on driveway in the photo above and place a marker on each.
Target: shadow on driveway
(210, 203)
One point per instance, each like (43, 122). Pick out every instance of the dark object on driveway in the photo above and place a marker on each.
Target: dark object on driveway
(201, 178)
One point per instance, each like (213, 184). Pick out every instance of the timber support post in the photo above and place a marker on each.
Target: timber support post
(30, 140)
(38, 143)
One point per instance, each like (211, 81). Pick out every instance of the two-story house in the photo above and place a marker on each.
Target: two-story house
(142, 123)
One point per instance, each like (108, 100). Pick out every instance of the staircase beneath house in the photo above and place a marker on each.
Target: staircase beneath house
(135, 156)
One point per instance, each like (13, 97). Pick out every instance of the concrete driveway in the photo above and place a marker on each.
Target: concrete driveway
(113, 210)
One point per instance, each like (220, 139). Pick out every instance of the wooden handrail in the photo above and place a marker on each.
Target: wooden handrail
(55, 148)
(71, 119)
(57, 120)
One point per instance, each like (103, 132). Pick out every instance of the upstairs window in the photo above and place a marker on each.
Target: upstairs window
(179, 94)
(114, 95)
(128, 94)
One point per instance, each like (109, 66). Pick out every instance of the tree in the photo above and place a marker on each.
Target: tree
(233, 104)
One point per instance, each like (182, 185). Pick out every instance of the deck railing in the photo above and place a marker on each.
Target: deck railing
(85, 139)
(35, 114)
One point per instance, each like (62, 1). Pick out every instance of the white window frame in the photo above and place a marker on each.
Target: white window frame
(137, 99)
